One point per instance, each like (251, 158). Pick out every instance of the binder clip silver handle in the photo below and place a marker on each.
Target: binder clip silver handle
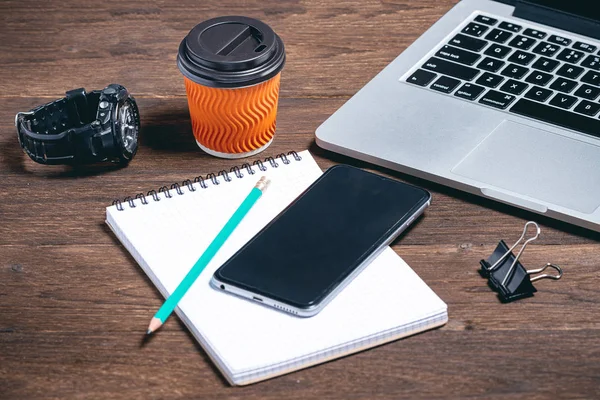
(506, 274)
(531, 239)
(545, 276)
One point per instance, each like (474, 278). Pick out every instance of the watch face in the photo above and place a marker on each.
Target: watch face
(128, 124)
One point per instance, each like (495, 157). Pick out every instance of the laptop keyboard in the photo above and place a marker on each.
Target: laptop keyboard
(519, 69)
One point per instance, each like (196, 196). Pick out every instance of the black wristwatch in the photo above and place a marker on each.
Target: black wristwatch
(82, 128)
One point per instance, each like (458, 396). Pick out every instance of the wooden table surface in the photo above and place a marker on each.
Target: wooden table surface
(74, 304)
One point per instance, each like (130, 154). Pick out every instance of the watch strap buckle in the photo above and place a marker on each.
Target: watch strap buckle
(19, 117)
(42, 148)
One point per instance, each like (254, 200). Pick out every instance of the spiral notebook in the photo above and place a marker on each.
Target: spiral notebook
(167, 230)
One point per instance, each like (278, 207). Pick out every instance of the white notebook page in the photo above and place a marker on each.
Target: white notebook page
(245, 338)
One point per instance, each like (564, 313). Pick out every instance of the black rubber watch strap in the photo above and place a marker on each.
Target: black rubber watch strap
(48, 133)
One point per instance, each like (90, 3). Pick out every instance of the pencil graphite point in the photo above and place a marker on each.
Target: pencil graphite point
(155, 323)
(263, 183)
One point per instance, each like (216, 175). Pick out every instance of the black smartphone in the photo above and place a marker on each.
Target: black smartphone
(307, 254)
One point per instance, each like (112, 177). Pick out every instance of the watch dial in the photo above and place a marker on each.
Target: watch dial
(128, 126)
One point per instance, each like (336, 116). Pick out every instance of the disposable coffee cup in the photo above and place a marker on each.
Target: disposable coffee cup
(231, 68)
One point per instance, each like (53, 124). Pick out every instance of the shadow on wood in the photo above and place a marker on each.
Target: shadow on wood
(464, 196)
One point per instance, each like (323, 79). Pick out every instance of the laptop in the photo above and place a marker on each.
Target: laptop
(497, 98)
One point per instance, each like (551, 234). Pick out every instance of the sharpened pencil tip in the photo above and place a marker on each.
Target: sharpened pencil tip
(155, 324)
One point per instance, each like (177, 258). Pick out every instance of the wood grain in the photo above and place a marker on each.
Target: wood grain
(73, 303)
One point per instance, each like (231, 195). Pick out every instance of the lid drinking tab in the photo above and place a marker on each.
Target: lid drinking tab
(231, 52)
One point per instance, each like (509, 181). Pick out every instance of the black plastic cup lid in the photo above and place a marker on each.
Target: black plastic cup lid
(229, 52)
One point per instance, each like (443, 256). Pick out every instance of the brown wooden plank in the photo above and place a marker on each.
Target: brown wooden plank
(441, 363)
(333, 49)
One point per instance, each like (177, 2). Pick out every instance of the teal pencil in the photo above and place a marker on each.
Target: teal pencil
(169, 305)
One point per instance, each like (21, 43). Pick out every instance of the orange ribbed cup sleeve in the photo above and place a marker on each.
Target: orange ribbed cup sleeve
(233, 120)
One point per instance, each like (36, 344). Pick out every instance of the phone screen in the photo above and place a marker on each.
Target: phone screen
(327, 232)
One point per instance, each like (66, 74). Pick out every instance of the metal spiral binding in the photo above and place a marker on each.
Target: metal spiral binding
(272, 161)
(225, 175)
(200, 181)
(154, 195)
(237, 172)
(248, 168)
(189, 185)
(117, 203)
(165, 190)
(177, 188)
(142, 198)
(283, 158)
(260, 165)
(130, 201)
(215, 179)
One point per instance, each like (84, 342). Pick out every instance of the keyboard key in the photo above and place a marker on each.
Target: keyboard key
(514, 71)
(514, 87)
(474, 29)
(559, 40)
(522, 42)
(563, 85)
(498, 36)
(563, 101)
(587, 108)
(587, 92)
(497, 51)
(556, 116)
(509, 27)
(445, 84)
(458, 55)
(584, 47)
(421, 78)
(450, 69)
(592, 62)
(468, 42)
(546, 49)
(489, 80)
(570, 55)
(591, 77)
(485, 20)
(497, 99)
(545, 64)
(534, 33)
(538, 94)
(491, 64)
(538, 78)
(569, 71)
(520, 57)
(469, 91)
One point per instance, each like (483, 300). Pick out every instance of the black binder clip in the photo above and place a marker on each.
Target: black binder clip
(506, 274)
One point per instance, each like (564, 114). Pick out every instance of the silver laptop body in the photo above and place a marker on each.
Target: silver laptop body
(476, 142)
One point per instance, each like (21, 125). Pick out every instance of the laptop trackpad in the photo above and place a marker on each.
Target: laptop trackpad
(539, 164)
